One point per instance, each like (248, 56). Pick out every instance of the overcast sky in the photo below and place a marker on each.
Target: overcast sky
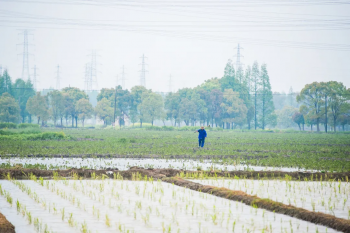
(192, 40)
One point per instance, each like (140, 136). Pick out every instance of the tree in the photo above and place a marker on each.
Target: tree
(123, 101)
(22, 91)
(68, 107)
(285, 117)
(57, 105)
(250, 115)
(214, 107)
(298, 118)
(5, 83)
(228, 81)
(9, 109)
(151, 106)
(38, 106)
(255, 79)
(312, 97)
(338, 99)
(235, 111)
(187, 110)
(104, 110)
(172, 106)
(75, 94)
(84, 109)
(268, 117)
(137, 93)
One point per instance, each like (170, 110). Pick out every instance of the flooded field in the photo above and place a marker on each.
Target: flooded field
(133, 206)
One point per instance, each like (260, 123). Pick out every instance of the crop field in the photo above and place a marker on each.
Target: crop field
(134, 206)
(124, 181)
(321, 196)
(310, 151)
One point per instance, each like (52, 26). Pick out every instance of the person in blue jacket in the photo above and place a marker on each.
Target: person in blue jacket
(202, 134)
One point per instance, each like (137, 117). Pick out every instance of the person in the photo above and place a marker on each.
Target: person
(202, 134)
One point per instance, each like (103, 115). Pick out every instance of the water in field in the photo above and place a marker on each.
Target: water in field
(135, 206)
(125, 164)
(327, 197)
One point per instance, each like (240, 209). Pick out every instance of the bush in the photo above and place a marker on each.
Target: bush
(6, 132)
(188, 128)
(27, 125)
(47, 136)
(4, 125)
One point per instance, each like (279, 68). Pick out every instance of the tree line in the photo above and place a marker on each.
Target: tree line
(241, 98)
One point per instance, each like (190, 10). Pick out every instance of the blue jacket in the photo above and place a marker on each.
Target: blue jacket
(202, 134)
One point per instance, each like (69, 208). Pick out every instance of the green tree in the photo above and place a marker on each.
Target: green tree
(285, 117)
(123, 103)
(104, 110)
(22, 91)
(38, 106)
(235, 111)
(312, 96)
(172, 106)
(75, 94)
(57, 105)
(137, 93)
(5, 83)
(268, 116)
(9, 109)
(338, 100)
(187, 111)
(84, 109)
(151, 107)
(228, 81)
(298, 118)
(255, 85)
(68, 107)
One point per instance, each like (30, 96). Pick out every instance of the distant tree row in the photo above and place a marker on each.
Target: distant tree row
(326, 103)
(238, 99)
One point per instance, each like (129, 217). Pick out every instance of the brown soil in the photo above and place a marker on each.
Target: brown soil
(5, 226)
(338, 224)
(22, 173)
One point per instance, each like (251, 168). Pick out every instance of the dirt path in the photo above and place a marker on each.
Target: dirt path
(6, 226)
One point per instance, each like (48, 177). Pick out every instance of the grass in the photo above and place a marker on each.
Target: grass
(323, 152)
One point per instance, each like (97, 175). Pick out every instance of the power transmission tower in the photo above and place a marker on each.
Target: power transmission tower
(25, 53)
(87, 77)
(143, 71)
(170, 85)
(123, 78)
(58, 78)
(238, 57)
(91, 72)
(35, 80)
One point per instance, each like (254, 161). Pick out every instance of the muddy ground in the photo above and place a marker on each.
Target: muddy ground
(22, 173)
(5, 226)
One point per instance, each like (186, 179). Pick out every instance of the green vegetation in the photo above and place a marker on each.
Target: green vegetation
(319, 151)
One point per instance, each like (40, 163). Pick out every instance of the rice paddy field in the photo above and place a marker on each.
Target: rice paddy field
(160, 181)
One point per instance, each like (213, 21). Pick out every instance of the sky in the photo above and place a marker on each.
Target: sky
(299, 41)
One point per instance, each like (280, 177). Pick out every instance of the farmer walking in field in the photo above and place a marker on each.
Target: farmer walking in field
(202, 134)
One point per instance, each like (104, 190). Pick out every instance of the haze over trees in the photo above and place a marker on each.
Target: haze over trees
(239, 99)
